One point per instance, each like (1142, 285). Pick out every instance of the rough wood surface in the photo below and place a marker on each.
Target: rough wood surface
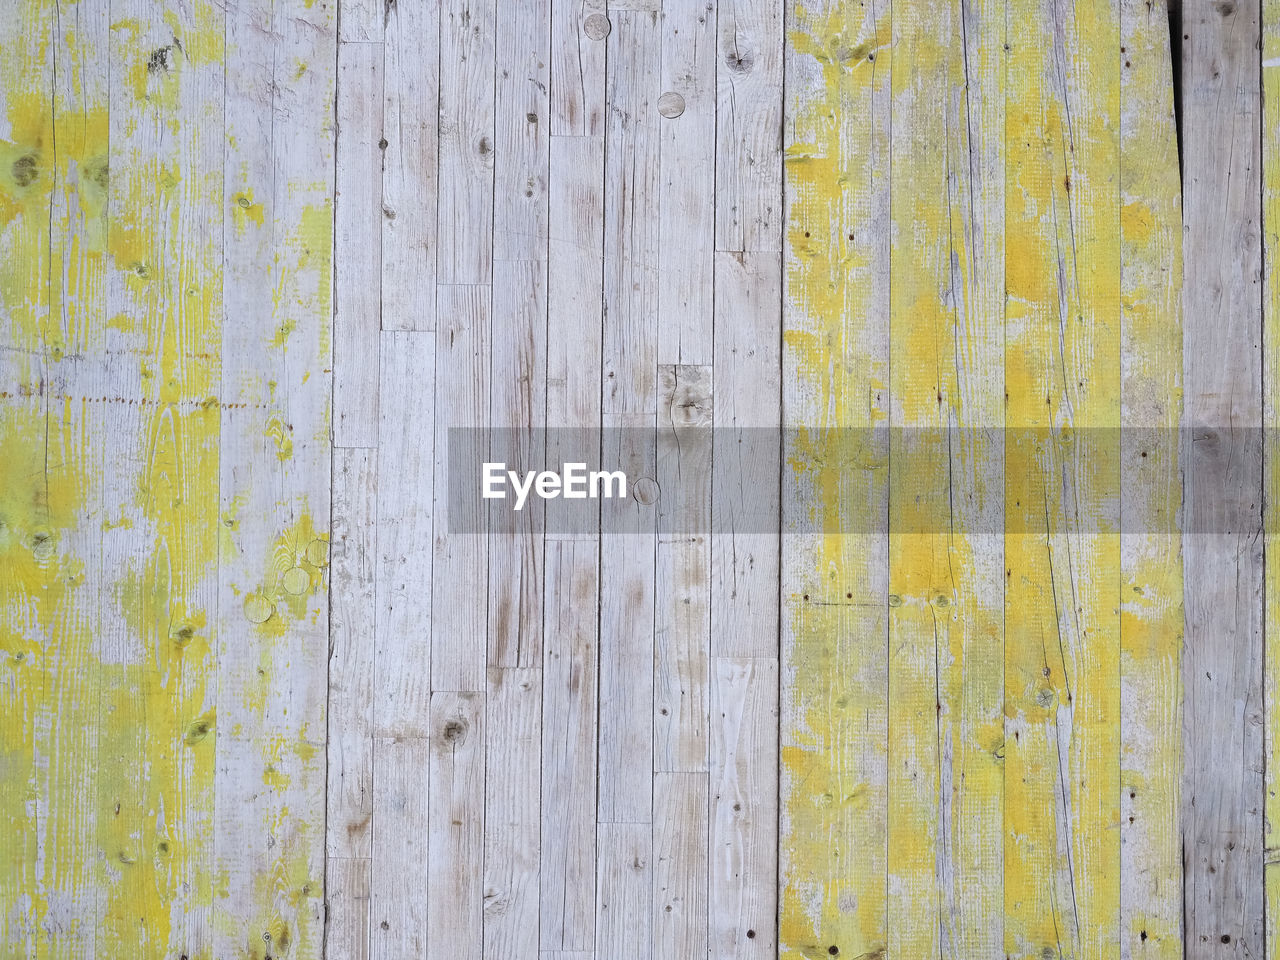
(1004, 686)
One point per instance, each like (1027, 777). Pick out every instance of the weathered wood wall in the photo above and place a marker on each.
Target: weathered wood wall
(1004, 686)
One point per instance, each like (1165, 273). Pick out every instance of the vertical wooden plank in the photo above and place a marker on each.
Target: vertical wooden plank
(522, 131)
(399, 906)
(747, 469)
(275, 480)
(749, 76)
(406, 523)
(624, 897)
(1222, 827)
(578, 32)
(358, 237)
(1270, 149)
(569, 676)
(459, 559)
(351, 657)
(834, 560)
(1062, 360)
(679, 919)
(517, 412)
(1151, 498)
(946, 575)
(347, 902)
(682, 624)
(687, 170)
(631, 217)
(512, 811)
(455, 885)
(464, 211)
(26, 125)
(743, 893)
(410, 125)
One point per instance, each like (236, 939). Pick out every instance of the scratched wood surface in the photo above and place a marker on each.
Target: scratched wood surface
(998, 678)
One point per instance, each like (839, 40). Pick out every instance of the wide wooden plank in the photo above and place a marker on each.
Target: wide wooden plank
(398, 908)
(1222, 790)
(834, 552)
(1151, 614)
(410, 159)
(358, 237)
(569, 678)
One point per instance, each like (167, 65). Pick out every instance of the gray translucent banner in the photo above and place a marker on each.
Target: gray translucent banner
(681, 480)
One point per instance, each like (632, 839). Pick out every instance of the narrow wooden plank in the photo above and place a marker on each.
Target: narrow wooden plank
(834, 560)
(628, 550)
(361, 21)
(358, 235)
(517, 411)
(347, 907)
(351, 658)
(464, 211)
(522, 130)
(687, 168)
(624, 898)
(512, 811)
(631, 216)
(569, 677)
(1222, 789)
(747, 470)
(945, 579)
(1151, 497)
(406, 524)
(743, 840)
(1271, 476)
(410, 125)
(399, 907)
(680, 889)
(275, 480)
(459, 563)
(575, 313)
(682, 600)
(1062, 362)
(578, 32)
(749, 80)
(455, 885)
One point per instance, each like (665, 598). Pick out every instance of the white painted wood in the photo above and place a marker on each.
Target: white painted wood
(631, 215)
(459, 559)
(746, 485)
(455, 887)
(627, 558)
(410, 125)
(1222, 483)
(358, 235)
(361, 21)
(578, 36)
(624, 898)
(687, 150)
(347, 908)
(682, 618)
(464, 211)
(512, 811)
(351, 656)
(574, 309)
(569, 678)
(517, 405)
(398, 907)
(749, 125)
(406, 515)
(680, 886)
(743, 838)
(522, 131)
